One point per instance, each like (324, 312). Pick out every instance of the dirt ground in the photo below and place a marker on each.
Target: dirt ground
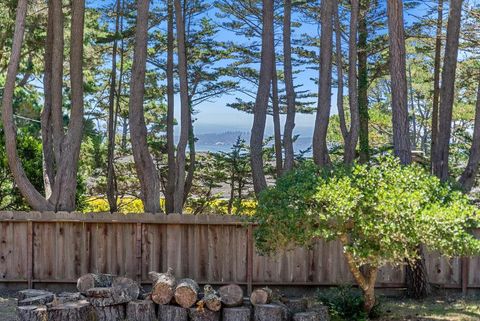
(7, 307)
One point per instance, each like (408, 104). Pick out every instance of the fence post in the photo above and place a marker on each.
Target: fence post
(30, 254)
(138, 250)
(465, 269)
(249, 258)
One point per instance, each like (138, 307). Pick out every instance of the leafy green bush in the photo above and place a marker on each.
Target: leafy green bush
(380, 212)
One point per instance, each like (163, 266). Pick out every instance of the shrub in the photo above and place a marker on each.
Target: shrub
(380, 212)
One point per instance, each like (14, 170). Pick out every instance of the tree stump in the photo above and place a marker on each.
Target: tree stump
(100, 293)
(172, 313)
(65, 297)
(308, 316)
(210, 299)
(236, 314)
(32, 313)
(94, 280)
(186, 293)
(37, 300)
(163, 286)
(30, 293)
(261, 296)
(203, 315)
(269, 312)
(141, 310)
(71, 311)
(296, 305)
(110, 313)
(231, 295)
(126, 287)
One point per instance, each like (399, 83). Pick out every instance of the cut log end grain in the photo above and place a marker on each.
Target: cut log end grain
(32, 313)
(261, 296)
(203, 315)
(110, 313)
(172, 313)
(186, 293)
(231, 295)
(237, 314)
(72, 311)
(94, 280)
(269, 312)
(141, 310)
(163, 288)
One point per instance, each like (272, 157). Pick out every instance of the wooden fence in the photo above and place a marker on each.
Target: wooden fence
(59, 247)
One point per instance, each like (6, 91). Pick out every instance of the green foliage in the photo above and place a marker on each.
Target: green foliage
(382, 210)
(346, 303)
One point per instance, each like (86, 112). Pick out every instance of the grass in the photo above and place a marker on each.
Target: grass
(451, 309)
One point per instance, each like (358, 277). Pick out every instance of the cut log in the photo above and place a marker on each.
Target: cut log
(261, 296)
(110, 313)
(269, 312)
(237, 314)
(163, 286)
(186, 293)
(210, 299)
(126, 287)
(29, 293)
(65, 297)
(296, 305)
(141, 310)
(37, 300)
(172, 313)
(203, 315)
(231, 295)
(72, 311)
(32, 313)
(310, 316)
(100, 293)
(94, 280)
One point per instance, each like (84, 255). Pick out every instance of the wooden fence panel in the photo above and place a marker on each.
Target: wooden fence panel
(58, 248)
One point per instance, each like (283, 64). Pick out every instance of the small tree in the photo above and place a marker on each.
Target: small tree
(379, 212)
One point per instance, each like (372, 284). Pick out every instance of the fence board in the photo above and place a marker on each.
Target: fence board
(210, 249)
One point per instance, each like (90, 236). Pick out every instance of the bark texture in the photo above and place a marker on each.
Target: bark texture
(145, 167)
(93, 280)
(32, 313)
(72, 311)
(172, 313)
(141, 311)
(398, 74)
(110, 313)
(236, 314)
(203, 315)
(269, 312)
(363, 81)
(163, 286)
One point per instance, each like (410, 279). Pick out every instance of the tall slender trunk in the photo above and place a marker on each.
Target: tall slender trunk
(276, 122)
(33, 197)
(363, 81)
(436, 81)
(469, 175)
(447, 91)
(185, 110)
(111, 185)
(170, 189)
(340, 100)
(46, 124)
(261, 102)
(289, 87)
(144, 164)
(320, 148)
(398, 74)
(412, 104)
(192, 160)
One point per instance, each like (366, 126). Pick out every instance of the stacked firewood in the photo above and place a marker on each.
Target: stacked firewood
(104, 297)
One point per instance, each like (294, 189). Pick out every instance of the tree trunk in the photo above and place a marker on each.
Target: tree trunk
(363, 81)
(110, 313)
(261, 102)
(320, 148)
(185, 111)
(111, 184)
(170, 189)
(276, 121)
(72, 311)
(163, 286)
(231, 295)
(417, 278)
(469, 175)
(338, 56)
(203, 315)
(269, 312)
(141, 310)
(186, 293)
(146, 170)
(172, 313)
(436, 81)
(398, 74)
(93, 280)
(32, 313)
(33, 197)
(192, 160)
(236, 314)
(447, 91)
(289, 87)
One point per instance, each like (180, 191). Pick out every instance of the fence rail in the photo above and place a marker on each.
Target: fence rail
(59, 247)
